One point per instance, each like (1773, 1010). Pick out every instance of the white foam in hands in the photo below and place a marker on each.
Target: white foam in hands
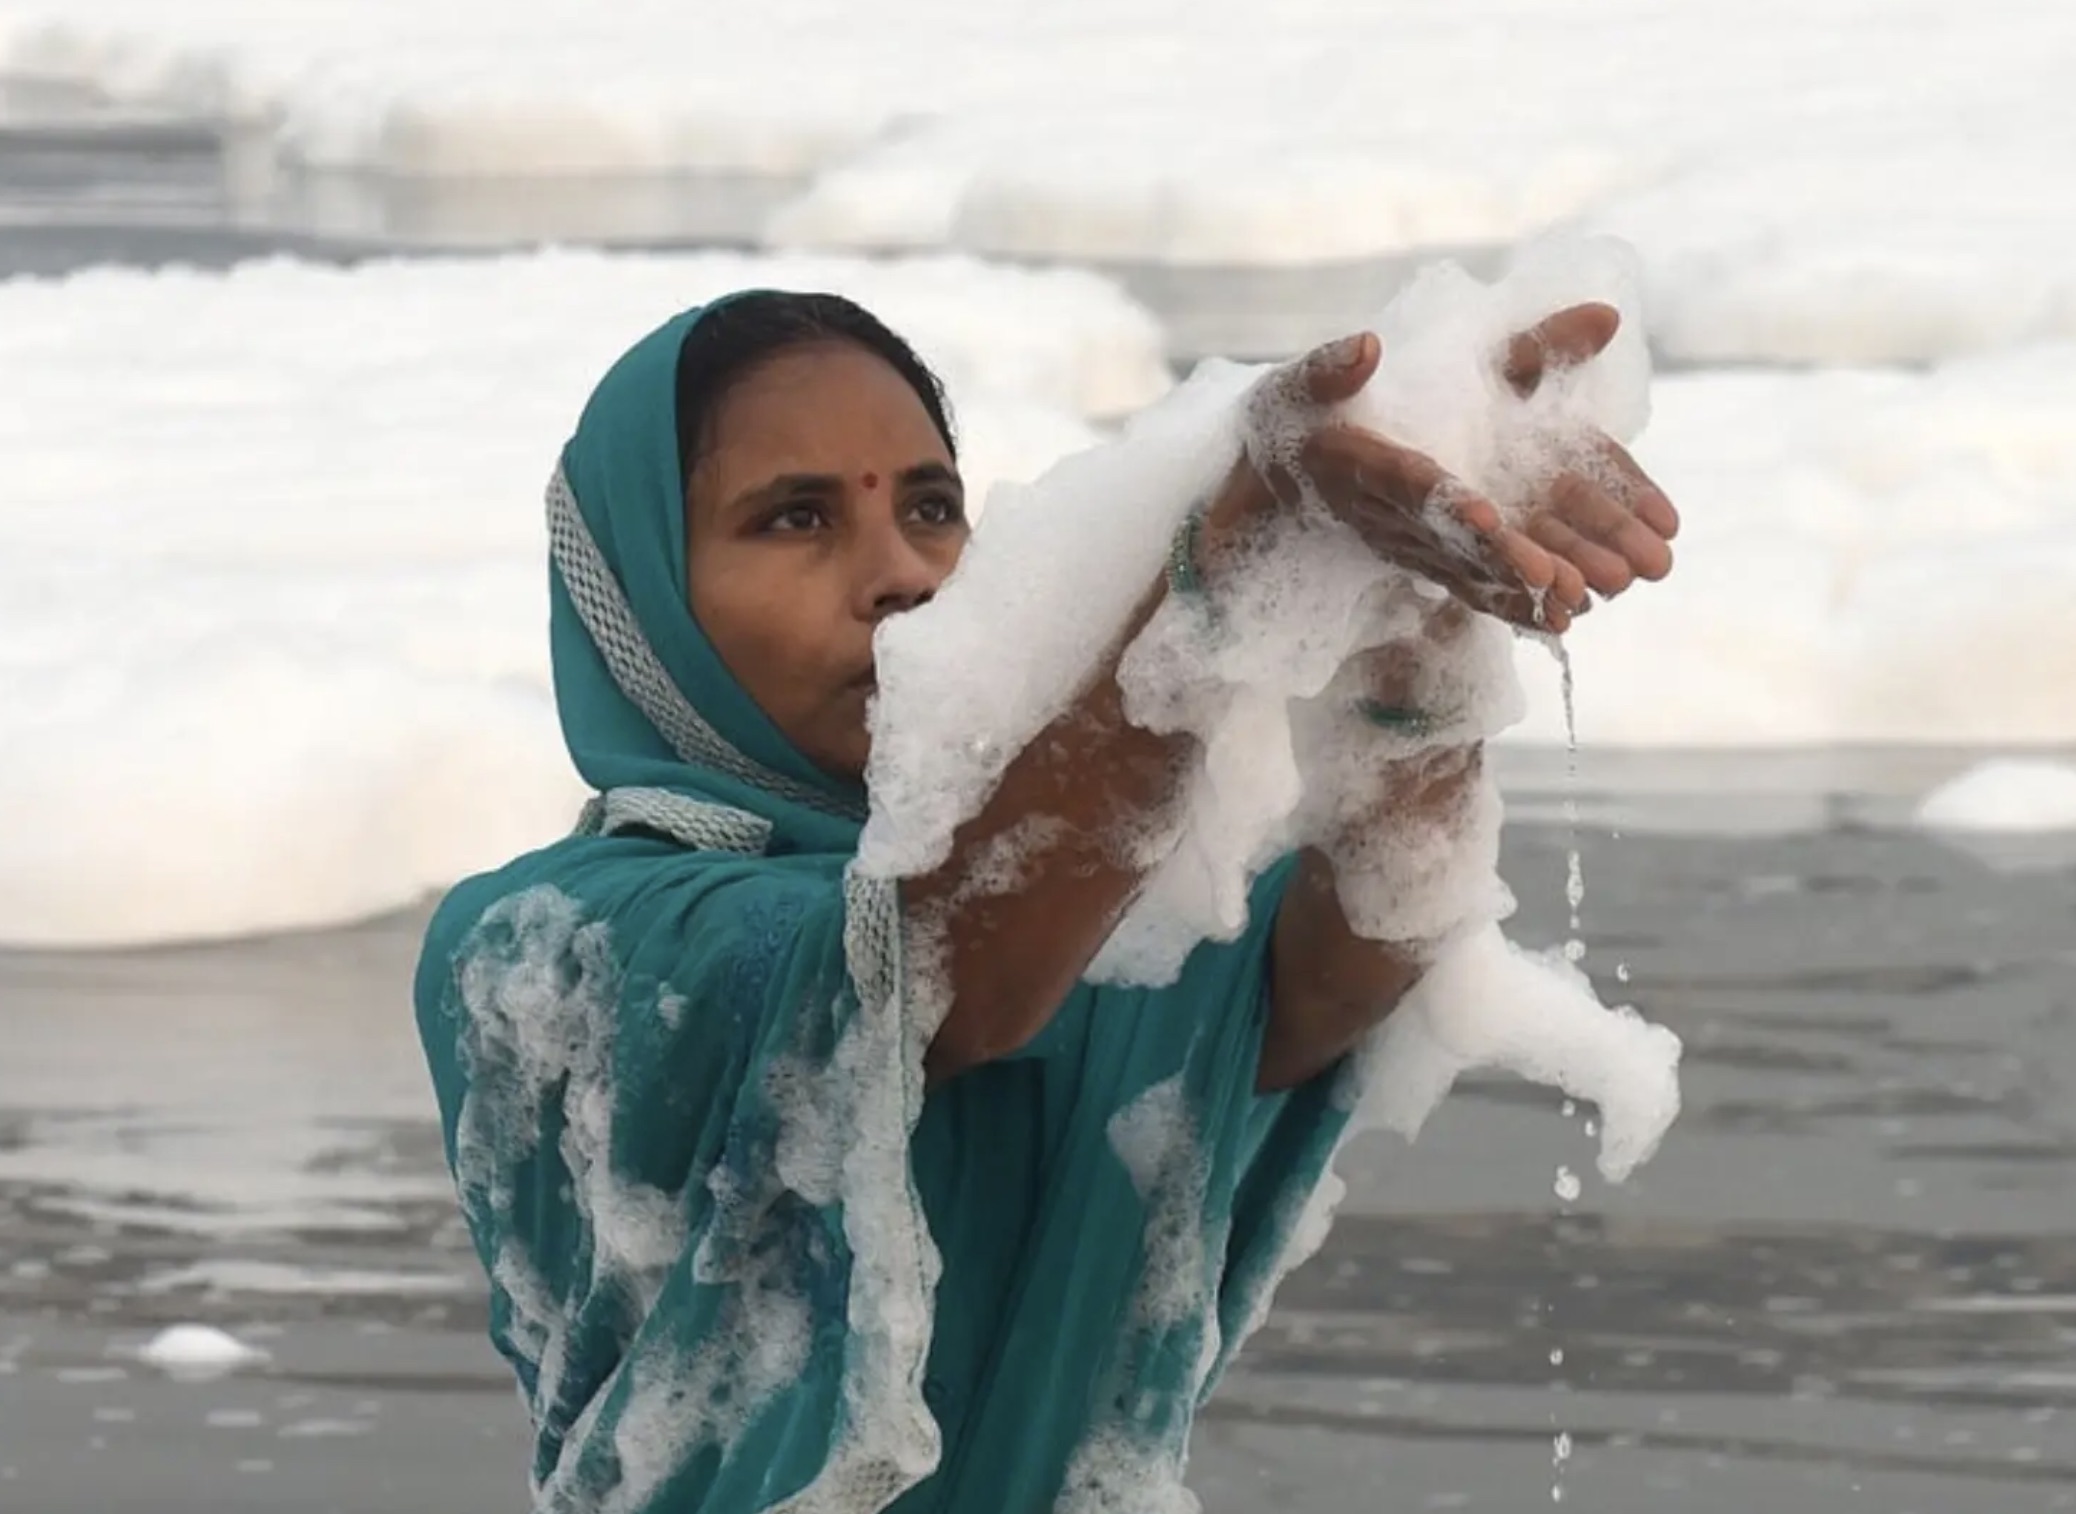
(1284, 761)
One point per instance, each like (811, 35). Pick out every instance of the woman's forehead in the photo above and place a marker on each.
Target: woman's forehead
(819, 409)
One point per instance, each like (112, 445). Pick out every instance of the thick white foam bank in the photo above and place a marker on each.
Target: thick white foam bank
(273, 571)
(1807, 179)
(271, 566)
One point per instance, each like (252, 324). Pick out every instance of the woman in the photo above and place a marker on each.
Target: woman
(764, 1228)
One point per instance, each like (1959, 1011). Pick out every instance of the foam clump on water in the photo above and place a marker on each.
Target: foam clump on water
(198, 1353)
(2009, 795)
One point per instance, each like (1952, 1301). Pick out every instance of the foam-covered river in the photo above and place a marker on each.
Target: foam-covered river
(1847, 1283)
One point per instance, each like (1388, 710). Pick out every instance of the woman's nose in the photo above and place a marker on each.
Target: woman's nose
(894, 576)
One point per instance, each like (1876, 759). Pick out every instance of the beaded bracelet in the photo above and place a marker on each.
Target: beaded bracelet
(1184, 581)
(1401, 719)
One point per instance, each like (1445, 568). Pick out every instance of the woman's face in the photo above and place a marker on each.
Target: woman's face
(823, 502)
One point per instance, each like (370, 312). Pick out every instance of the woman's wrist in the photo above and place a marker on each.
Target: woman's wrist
(1214, 534)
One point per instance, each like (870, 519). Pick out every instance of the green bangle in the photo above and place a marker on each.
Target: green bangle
(1399, 718)
(1184, 581)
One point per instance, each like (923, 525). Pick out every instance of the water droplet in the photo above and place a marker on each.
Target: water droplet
(1567, 1185)
(1574, 870)
(1569, 1108)
(1621, 972)
(1557, 1356)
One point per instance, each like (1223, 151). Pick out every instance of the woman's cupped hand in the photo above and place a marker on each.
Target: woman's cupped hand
(1590, 529)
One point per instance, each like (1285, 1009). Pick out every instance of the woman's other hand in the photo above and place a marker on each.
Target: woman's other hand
(1598, 529)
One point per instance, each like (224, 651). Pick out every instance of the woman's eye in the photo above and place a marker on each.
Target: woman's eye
(940, 509)
(796, 517)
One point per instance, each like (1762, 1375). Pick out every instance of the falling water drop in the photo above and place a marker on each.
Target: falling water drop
(1574, 870)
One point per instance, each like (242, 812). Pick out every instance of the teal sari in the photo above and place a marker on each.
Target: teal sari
(737, 1259)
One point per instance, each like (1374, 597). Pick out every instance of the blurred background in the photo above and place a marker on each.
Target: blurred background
(298, 303)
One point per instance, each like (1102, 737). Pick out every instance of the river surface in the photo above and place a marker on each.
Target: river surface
(1848, 1281)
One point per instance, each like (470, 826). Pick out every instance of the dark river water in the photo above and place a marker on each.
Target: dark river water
(1848, 1282)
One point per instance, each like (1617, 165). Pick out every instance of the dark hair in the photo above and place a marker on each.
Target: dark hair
(739, 333)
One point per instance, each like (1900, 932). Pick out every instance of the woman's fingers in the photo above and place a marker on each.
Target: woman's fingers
(1337, 371)
(1640, 494)
(1564, 340)
(1391, 495)
(1567, 585)
(1604, 570)
(1609, 522)
(1349, 458)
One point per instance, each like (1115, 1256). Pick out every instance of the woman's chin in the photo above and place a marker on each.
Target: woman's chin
(847, 756)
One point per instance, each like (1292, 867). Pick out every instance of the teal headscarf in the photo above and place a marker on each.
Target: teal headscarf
(692, 730)
(611, 1023)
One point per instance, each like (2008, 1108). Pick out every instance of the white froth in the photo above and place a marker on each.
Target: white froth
(1486, 1003)
(1131, 1459)
(2011, 795)
(339, 674)
(1261, 674)
(679, 1404)
(541, 994)
(1054, 572)
(1159, 1145)
(1244, 674)
(1777, 191)
(1866, 557)
(1441, 390)
(540, 989)
(276, 660)
(198, 1353)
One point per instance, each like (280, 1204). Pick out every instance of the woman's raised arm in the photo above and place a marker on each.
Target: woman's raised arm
(1071, 804)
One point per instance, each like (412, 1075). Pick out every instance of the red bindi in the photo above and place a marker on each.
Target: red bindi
(872, 480)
